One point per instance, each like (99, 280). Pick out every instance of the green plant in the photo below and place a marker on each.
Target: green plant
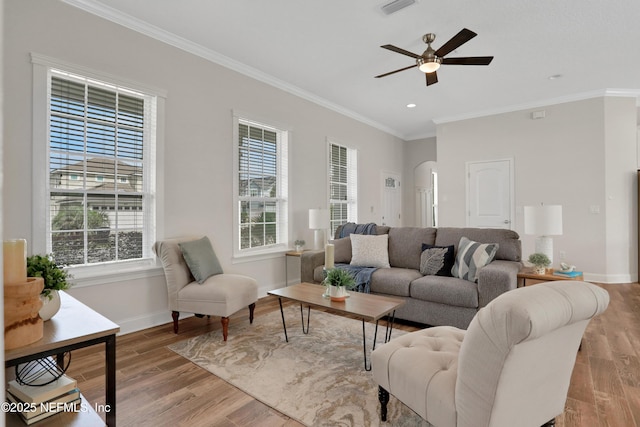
(299, 242)
(55, 278)
(340, 277)
(539, 259)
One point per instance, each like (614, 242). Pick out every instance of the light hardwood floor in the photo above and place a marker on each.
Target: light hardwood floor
(156, 387)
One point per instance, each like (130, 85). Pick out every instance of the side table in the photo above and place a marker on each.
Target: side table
(295, 254)
(526, 277)
(74, 326)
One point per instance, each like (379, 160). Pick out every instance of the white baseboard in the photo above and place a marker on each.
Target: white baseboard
(150, 320)
(609, 278)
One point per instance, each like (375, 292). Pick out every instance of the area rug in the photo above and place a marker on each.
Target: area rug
(317, 379)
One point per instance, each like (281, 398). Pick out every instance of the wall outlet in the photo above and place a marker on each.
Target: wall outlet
(563, 255)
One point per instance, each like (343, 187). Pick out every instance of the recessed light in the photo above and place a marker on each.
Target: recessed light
(555, 76)
(411, 105)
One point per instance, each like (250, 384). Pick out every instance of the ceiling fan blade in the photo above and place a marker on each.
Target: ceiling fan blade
(455, 42)
(432, 78)
(470, 60)
(399, 50)
(396, 71)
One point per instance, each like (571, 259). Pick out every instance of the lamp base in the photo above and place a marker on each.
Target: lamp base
(544, 245)
(318, 239)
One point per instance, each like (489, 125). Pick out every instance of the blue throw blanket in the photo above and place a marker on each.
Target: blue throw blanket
(353, 228)
(362, 276)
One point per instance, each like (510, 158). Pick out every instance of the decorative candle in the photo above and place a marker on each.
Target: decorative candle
(329, 252)
(15, 260)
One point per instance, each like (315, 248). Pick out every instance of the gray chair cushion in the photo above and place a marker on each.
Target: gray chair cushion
(201, 258)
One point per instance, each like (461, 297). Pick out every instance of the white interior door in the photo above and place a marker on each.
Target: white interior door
(391, 199)
(490, 194)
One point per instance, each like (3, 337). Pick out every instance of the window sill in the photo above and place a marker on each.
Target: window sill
(259, 255)
(111, 273)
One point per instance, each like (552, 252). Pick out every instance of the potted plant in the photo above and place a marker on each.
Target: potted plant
(55, 279)
(540, 262)
(299, 245)
(338, 281)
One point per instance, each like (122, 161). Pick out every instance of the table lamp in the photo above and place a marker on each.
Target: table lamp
(318, 221)
(543, 221)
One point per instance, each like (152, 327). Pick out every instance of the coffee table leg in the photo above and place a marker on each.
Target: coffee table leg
(387, 337)
(302, 316)
(390, 320)
(284, 325)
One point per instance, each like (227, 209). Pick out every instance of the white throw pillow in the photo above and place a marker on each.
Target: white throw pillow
(370, 251)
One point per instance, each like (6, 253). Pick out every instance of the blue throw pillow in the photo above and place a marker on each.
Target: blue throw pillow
(437, 260)
(201, 259)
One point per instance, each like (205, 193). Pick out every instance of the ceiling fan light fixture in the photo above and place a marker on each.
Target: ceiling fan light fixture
(428, 66)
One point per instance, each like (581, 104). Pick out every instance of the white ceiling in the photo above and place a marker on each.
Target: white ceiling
(328, 51)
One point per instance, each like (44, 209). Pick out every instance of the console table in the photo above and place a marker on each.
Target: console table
(74, 326)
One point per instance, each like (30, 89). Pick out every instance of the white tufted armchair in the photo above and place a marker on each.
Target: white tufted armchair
(512, 367)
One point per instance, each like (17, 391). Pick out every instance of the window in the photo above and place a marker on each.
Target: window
(96, 132)
(343, 185)
(261, 184)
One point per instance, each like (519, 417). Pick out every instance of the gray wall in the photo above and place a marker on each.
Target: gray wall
(582, 155)
(195, 188)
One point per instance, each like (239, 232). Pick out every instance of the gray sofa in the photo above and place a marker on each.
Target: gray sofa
(431, 300)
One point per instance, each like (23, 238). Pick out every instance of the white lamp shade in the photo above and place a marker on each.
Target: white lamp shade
(544, 220)
(318, 219)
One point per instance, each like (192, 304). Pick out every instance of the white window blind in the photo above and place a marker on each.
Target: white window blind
(262, 183)
(343, 185)
(100, 181)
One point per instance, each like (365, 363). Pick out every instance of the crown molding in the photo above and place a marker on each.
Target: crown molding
(631, 93)
(135, 24)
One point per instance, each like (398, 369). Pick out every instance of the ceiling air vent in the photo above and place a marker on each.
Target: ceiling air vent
(396, 5)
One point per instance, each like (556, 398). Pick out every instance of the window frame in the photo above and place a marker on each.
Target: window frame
(111, 271)
(283, 135)
(352, 185)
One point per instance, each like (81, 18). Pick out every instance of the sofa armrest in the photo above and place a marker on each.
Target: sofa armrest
(308, 263)
(497, 278)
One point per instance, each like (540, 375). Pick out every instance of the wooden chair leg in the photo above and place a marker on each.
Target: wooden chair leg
(174, 315)
(383, 397)
(225, 327)
(251, 308)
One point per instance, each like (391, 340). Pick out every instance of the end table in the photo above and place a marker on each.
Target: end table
(526, 277)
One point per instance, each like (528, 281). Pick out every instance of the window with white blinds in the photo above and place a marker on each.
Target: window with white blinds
(343, 185)
(262, 187)
(100, 142)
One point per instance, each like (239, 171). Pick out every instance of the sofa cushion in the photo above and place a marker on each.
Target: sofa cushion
(342, 253)
(393, 281)
(510, 246)
(369, 251)
(405, 245)
(445, 290)
(471, 257)
(437, 260)
(201, 259)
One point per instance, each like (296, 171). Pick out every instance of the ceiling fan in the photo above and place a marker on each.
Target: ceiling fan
(431, 59)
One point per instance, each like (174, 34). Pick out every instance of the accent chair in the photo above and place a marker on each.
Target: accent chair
(511, 367)
(196, 283)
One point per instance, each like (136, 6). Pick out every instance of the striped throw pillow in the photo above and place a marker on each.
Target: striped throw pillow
(471, 257)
